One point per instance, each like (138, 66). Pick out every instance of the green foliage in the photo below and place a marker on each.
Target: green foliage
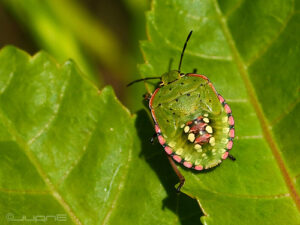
(68, 149)
(55, 125)
(250, 51)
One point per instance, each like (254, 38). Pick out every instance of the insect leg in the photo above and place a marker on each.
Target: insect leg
(179, 175)
(195, 70)
(231, 157)
(147, 97)
(153, 137)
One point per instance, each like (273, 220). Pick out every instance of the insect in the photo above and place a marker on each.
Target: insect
(193, 123)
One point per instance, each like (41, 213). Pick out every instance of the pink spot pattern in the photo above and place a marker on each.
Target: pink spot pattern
(227, 109)
(229, 145)
(157, 130)
(231, 120)
(225, 155)
(168, 150)
(161, 140)
(221, 99)
(231, 133)
(199, 167)
(177, 158)
(188, 164)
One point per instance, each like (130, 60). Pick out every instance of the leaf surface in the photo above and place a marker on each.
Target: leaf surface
(250, 51)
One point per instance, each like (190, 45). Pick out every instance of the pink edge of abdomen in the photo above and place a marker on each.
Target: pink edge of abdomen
(231, 133)
(188, 164)
(221, 99)
(227, 109)
(229, 145)
(225, 155)
(177, 158)
(157, 130)
(212, 87)
(199, 167)
(168, 150)
(198, 75)
(231, 121)
(152, 97)
(161, 140)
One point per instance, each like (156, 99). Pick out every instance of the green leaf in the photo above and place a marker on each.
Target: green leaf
(71, 153)
(55, 125)
(250, 51)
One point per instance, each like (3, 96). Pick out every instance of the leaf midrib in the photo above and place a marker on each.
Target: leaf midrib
(242, 68)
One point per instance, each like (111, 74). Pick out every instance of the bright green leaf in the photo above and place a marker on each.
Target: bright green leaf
(250, 50)
(62, 150)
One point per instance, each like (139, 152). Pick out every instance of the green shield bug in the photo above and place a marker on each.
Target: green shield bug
(193, 122)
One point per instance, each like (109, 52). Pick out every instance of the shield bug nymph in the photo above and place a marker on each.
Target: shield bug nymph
(193, 122)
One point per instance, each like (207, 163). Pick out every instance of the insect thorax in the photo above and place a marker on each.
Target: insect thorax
(170, 77)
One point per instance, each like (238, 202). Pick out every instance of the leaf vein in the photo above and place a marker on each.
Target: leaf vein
(28, 192)
(55, 113)
(268, 45)
(286, 112)
(187, 52)
(120, 187)
(10, 76)
(242, 100)
(234, 8)
(245, 196)
(251, 137)
(75, 163)
(24, 146)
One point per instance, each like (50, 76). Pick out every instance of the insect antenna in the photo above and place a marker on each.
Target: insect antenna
(187, 39)
(170, 64)
(147, 78)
